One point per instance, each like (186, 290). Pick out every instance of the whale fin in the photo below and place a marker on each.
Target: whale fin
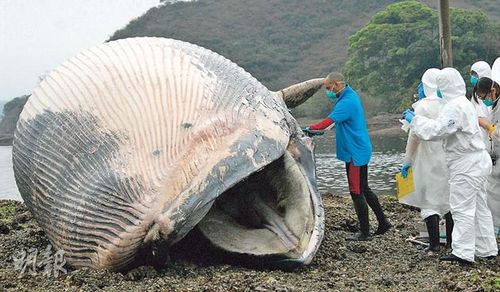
(298, 93)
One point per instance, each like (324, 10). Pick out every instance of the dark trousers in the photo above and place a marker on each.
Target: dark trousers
(361, 194)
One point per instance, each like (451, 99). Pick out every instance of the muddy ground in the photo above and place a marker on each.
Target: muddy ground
(387, 263)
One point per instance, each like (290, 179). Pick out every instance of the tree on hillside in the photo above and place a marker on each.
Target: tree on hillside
(389, 55)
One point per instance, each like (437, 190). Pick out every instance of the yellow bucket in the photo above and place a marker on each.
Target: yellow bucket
(404, 186)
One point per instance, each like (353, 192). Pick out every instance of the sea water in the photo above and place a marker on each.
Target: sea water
(8, 187)
(386, 161)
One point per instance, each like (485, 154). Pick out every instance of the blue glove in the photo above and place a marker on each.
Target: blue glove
(408, 115)
(404, 169)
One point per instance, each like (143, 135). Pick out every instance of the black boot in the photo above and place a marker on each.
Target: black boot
(449, 228)
(364, 224)
(383, 228)
(453, 258)
(372, 200)
(432, 223)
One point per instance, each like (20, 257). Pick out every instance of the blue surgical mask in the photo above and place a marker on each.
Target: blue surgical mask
(473, 80)
(488, 102)
(439, 94)
(331, 95)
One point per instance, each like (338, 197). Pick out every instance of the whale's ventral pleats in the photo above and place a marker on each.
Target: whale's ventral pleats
(137, 141)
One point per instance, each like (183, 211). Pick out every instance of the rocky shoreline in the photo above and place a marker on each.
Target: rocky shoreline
(385, 125)
(388, 262)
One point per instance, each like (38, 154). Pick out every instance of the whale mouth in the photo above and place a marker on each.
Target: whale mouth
(272, 213)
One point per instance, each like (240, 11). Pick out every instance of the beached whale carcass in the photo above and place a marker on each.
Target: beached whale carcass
(139, 140)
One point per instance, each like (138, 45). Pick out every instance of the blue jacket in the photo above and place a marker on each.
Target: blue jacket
(353, 142)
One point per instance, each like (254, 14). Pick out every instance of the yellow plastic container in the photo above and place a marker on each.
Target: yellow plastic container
(404, 186)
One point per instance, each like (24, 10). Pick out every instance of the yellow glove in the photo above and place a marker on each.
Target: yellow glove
(491, 130)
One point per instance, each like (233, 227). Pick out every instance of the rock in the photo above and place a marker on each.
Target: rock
(357, 247)
(140, 273)
(349, 225)
(18, 220)
(386, 281)
(4, 228)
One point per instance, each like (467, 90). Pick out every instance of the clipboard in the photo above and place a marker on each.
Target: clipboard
(404, 186)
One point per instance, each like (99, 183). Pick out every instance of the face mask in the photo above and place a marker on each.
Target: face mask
(331, 95)
(473, 80)
(488, 102)
(439, 94)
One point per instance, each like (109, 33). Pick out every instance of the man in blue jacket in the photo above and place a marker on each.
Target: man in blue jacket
(355, 149)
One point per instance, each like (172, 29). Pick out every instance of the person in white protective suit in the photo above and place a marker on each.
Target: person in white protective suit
(478, 70)
(430, 174)
(468, 163)
(488, 91)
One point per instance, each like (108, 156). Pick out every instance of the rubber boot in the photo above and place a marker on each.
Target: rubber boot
(432, 223)
(373, 202)
(449, 228)
(453, 258)
(364, 224)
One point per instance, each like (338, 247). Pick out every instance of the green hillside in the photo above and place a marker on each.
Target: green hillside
(280, 42)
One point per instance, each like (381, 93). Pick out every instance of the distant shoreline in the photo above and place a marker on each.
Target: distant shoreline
(6, 139)
(386, 125)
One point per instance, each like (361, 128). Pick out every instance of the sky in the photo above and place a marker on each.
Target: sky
(38, 35)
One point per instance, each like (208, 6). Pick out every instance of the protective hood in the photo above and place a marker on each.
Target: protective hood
(495, 71)
(481, 68)
(429, 80)
(451, 84)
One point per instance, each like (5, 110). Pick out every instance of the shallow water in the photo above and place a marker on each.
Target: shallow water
(8, 187)
(386, 160)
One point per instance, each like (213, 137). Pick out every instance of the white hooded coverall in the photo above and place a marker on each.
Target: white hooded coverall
(427, 158)
(493, 186)
(468, 165)
(493, 147)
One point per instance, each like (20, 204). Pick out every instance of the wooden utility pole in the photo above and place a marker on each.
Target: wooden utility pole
(445, 34)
